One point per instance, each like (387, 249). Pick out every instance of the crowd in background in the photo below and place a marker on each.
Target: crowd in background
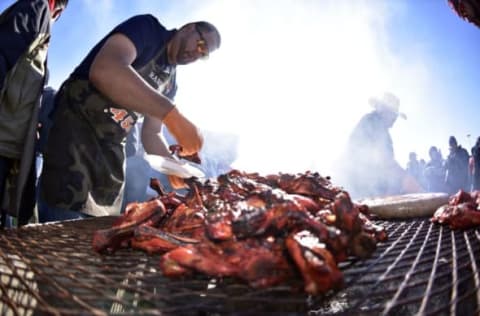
(460, 170)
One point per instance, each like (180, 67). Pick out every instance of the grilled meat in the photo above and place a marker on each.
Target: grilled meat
(264, 230)
(461, 212)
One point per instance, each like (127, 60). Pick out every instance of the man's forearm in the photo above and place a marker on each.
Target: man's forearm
(152, 138)
(156, 145)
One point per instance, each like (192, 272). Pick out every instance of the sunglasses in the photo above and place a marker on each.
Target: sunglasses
(202, 46)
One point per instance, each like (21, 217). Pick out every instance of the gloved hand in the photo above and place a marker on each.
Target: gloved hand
(185, 132)
(176, 182)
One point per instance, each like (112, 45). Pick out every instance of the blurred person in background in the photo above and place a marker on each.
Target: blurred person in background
(476, 165)
(129, 74)
(469, 10)
(422, 180)
(456, 167)
(415, 167)
(370, 166)
(25, 29)
(435, 171)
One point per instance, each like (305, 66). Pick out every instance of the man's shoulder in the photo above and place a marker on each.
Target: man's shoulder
(143, 21)
(462, 151)
(143, 27)
(476, 151)
(459, 154)
(146, 16)
(22, 23)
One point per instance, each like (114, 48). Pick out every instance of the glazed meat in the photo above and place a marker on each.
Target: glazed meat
(461, 212)
(262, 230)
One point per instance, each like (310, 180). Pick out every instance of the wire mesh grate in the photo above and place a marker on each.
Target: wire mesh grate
(423, 269)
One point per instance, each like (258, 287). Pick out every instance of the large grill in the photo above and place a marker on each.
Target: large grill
(423, 269)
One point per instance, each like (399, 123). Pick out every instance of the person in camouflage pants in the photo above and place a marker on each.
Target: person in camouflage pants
(130, 73)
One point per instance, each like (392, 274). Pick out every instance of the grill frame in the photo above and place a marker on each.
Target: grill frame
(423, 269)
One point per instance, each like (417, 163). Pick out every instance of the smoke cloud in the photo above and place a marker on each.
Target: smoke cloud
(291, 79)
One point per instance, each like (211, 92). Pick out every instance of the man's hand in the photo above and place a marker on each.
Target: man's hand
(176, 182)
(185, 132)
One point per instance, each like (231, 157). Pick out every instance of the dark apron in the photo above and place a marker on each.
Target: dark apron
(84, 167)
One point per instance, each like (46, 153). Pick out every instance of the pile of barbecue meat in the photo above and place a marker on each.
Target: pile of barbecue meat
(278, 229)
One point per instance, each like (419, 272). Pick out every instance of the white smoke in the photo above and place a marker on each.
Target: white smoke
(292, 78)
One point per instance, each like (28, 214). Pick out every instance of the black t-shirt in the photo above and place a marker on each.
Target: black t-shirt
(145, 32)
(85, 152)
(20, 25)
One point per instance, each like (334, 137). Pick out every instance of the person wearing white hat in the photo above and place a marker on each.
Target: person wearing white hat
(387, 105)
(371, 169)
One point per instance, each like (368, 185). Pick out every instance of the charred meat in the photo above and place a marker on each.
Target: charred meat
(263, 230)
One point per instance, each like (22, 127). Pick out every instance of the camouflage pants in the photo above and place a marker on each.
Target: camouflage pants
(84, 156)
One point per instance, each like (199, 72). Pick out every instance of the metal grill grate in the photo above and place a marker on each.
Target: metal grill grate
(423, 269)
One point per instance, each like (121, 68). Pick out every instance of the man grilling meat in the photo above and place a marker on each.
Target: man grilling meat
(131, 72)
(370, 166)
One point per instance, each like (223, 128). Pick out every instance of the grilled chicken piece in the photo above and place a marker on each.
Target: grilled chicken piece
(376, 231)
(461, 212)
(309, 184)
(155, 240)
(316, 264)
(461, 216)
(259, 263)
(152, 245)
(346, 213)
(148, 213)
(464, 216)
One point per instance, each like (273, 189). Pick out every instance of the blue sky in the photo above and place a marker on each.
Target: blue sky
(294, 76)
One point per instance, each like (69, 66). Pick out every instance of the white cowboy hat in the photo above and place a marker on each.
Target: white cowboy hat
(388, 102)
